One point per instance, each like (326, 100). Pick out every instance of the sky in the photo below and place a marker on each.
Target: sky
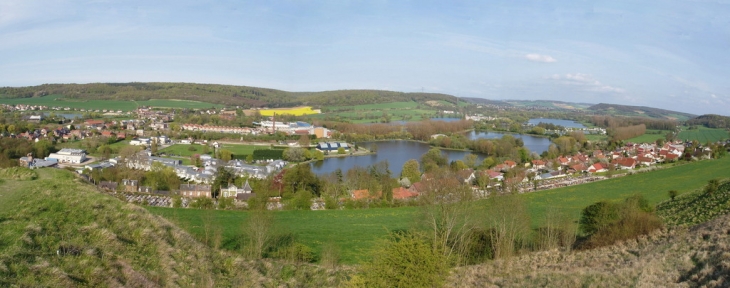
(667, 54)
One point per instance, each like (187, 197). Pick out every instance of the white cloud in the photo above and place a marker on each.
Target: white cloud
(540, 58)
(585, 82)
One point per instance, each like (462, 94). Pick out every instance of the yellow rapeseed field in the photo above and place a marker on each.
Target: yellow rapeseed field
(296, 111)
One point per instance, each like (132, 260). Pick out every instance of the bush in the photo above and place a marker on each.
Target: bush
(405, 260)
(606, 223)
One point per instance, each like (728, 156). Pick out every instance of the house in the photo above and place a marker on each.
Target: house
(597, 168)
(233, 191)
(108, 185)
(624, 163)
(130, 185)
(332, 146)
(466, 175)
(538, 164)
(195, 190)
(401, 193)
(68, 155)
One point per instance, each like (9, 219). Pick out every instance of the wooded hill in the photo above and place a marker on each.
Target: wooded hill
(711, 121)
(244, 96)
(642, 111)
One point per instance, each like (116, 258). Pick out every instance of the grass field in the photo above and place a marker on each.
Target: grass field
(373, 113)
(649, 137)
(172, 103)
(238, 149)
(296, 111)
(182, 150)
(703, 134)
(57, 100)
(357, 231)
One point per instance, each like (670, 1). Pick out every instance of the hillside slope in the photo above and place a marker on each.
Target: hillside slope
(219, 94)
(640, 111)
(60, 232)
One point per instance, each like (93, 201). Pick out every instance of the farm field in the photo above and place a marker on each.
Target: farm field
(240, 149)
(703, 134)
(649, 137)
(652, 185)
(170, 103)
(373, 113)
(182, 150)
(296, 111)
(60, 101)
(357, 231)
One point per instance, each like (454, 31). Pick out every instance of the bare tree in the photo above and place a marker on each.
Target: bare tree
(510, 224)
(258, 231)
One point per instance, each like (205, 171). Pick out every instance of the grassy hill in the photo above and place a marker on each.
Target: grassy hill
(229, 95)
(60, 232)
(639, 111)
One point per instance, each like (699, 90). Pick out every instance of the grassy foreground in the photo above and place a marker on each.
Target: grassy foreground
(60, 232)
(356, 232)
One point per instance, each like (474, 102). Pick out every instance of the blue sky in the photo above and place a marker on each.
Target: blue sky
(666, 54)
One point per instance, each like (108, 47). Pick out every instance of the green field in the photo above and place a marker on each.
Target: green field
(379, 106)
(171, 103)
(649, 137)
(652, 185)
(357, 231)
(703, 134)
(239, 149)
(182, 150)
(57, 100)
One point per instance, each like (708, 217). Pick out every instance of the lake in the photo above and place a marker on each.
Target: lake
(398, 152)
(535, 144)
(561, 122)
(395, 152)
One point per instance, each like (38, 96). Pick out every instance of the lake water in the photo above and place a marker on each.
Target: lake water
(395, 152)
(535, 144)
(398, 152)
(561, 122)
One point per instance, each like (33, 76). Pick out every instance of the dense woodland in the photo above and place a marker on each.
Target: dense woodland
(711, 121)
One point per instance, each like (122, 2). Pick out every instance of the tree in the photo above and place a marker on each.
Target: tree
(249, 158)
(433, 159)
(471, 160)
(341, 151)
(223, 177)
(294, 154)
(105, 151)
(301, 178)
(304, 141)
(43, 148)
(509, 224)
(411, 171)
(317, 155)
(258, 231)
(225, 155)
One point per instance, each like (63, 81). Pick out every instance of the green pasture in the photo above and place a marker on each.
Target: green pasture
(60, 101)
(172, 103)
(649, 137)
(703, 134)
(357, 231)
(57, 100)
(354, 232)
(240, 149)
(379, 106)
(183, 150)
(653, 185)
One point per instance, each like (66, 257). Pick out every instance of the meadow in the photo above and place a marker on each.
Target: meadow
(649, 137)
(58, 100)
(703, 134)
(358, 231)
(184, 150)
(373, 113)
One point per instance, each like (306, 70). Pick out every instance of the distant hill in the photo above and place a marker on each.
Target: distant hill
(549, 104)
(245, 96)
(711, 121)
(641, 111)
(483, 101)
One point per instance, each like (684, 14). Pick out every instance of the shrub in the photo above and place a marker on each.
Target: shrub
(606, 223)
(405, 260)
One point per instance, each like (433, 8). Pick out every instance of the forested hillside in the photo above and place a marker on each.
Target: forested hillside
(219, 94)
(625, 110)
(711, 121)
